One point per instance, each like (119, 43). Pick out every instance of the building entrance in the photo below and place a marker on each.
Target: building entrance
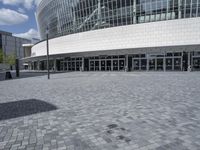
(196, 61)
(70, 64)
(109, 63)
(157, 62)
(103, 65)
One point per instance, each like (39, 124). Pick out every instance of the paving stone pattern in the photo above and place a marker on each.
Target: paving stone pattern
(106, 111)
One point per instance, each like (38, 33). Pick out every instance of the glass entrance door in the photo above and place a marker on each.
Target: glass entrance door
(121, 64)
(108, 63)
(103, 65)
(143, 64)
(115, 65)
(177, 64)
(136, 64)
(169, 64)
(97, 65)
(152, 65)
(92, 66)
(160, 64)
(196, 63)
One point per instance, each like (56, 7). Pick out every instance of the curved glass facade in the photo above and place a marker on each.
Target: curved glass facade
(65, 17)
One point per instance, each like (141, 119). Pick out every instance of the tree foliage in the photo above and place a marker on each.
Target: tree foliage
(10, 59)
(1, 56)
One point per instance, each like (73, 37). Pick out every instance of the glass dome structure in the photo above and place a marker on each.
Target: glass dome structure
(64, 17)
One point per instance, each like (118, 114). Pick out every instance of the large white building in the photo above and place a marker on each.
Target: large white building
(114, 35)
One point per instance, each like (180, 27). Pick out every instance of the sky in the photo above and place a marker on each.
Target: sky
(18, 17)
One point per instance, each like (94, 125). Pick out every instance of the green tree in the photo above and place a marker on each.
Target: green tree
(10, 59)
(1, 56)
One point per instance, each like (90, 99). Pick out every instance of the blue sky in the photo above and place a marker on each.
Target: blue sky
(17, 16)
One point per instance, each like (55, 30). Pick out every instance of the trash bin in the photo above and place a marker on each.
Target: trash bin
(8, 75)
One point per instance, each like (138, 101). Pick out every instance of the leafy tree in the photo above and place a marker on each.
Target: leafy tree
(10, 59)
(1, 56)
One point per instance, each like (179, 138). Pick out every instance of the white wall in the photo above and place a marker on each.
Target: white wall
(154, 34)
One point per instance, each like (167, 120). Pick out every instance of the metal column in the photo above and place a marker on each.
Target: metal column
(179, 8)
(134, 12)
(83, 65)
(38, 65)
(54, 65)
(189, 62)
(126, 63)
(147, 62)
(164, 62)
(111, 64)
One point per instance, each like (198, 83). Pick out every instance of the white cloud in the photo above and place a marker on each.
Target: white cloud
(11, 17)
(28, 4)
(21, 10)
(32, 33)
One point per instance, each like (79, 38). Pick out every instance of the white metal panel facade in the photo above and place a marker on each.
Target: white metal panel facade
(154, 34)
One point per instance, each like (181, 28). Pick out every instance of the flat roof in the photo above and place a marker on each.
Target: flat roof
(5, 33)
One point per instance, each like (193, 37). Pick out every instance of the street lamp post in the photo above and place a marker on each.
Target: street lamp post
(47, 34)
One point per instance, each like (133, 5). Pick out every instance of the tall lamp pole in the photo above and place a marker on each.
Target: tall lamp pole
(47, 34)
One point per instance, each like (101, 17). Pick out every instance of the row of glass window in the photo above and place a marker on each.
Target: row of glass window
(71, 16)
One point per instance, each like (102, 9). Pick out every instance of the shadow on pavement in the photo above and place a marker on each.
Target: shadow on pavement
(23, 108)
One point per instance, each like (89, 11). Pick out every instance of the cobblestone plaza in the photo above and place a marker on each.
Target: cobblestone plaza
(102, 111)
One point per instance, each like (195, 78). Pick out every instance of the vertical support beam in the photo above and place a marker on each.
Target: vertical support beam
(134, 12)
(182, 62)
(39, 65)
(89, 64)
(140, 64)
(156, 65)
(74, 21)
(111, 64)
(58, 25)
(99, 13)
(197, 8)
(83, 65)
(189, 61)
(166, 15)
(105, 64)
(54, 65)
(184, 8)
(179, 8)
(37, 68)
(29, 65)
(67, 64)
(192, 54)
(47, 39)
(126, 67)
(118, 63)
(164, 64)
(190, 8)
(75, 64)
(64, 61)
(99, 64)
(147, 56)
(173, 63)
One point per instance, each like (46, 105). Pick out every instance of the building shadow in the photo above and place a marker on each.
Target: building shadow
(23, 108)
